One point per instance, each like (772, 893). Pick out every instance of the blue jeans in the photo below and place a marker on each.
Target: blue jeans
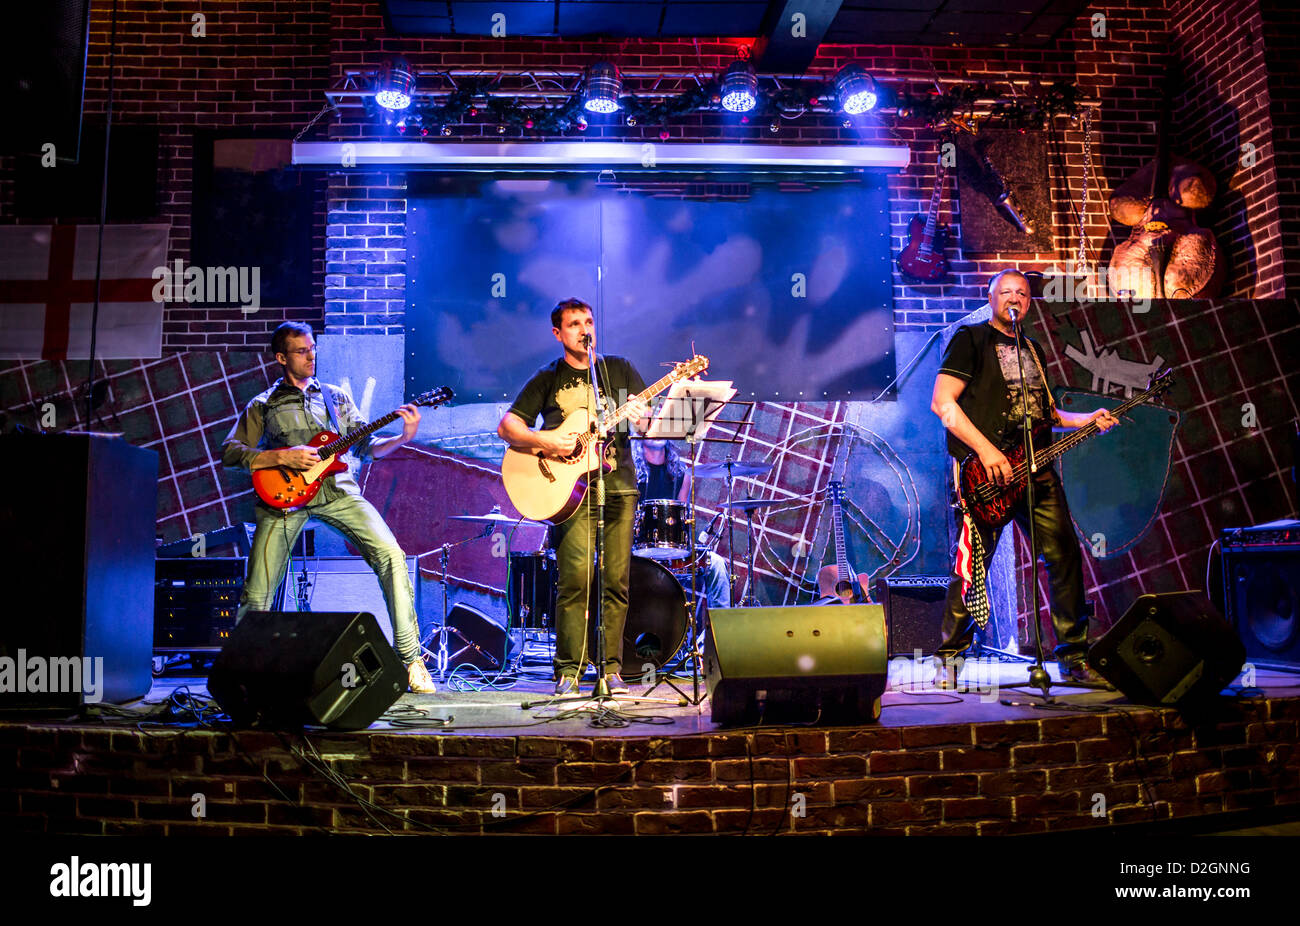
(358, 521)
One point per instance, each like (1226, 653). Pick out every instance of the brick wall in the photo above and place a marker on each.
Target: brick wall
(265, 66)
(1281, 36)
(1020, 776)
(261, 66)
(1223, 120)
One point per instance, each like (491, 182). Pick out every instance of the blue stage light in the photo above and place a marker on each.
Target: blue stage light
(601, 88)
(394, 84)
(855, 91)
(739, 87)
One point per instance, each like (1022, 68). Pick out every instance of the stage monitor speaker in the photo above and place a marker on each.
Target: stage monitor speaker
(79, 557)
(913, 611)
(796, 664)
(475, 639)
(287, 669)
(1171, 649)
(1262, 600)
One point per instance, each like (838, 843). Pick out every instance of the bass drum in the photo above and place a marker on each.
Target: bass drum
(656, 618)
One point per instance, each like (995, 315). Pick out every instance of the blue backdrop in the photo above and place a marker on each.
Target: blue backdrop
(788, 292)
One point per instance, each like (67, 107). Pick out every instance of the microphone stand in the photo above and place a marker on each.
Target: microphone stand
(601, 691)
(1038, 676)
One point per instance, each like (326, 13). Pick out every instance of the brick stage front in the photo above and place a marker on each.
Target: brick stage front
(936, 763)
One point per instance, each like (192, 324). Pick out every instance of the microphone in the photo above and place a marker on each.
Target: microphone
(586, 340)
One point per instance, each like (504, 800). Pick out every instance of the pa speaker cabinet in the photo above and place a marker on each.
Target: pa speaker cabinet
(1262, 600)
(1170, 649)
(347, 583)
(475, 639)
(77, 543)
(913, 611)
(287, 669)
(796, 664)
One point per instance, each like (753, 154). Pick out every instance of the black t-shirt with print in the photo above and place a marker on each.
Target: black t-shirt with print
(557, 389)
(985, 359)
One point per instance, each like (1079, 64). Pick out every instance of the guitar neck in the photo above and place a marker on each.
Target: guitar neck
(1079, 435)
(336, 447)
(932, 217)
(841, 557)
(613, 418)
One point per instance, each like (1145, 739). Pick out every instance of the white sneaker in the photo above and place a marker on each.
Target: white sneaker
(419, 679)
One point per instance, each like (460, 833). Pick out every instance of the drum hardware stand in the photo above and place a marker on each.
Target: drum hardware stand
(441, 658)
(694, 436)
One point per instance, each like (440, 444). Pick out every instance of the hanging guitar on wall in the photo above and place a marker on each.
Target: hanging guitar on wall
(922, 260)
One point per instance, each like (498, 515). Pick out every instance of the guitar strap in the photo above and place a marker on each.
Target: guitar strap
(330, 408)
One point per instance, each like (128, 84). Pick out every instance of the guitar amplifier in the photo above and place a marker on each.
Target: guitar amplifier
(347, 583)
(913, 612)
(1260, 589)
(195, 600)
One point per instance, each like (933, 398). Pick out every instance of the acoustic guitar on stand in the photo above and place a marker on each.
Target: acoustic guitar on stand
(281, 487)
(547, 488)
(840, 581)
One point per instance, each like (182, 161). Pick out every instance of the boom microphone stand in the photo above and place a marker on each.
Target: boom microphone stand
(1038, 676)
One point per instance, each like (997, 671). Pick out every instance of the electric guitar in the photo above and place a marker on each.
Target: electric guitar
(840, 581)
(548, 488)
(922, 260)
(991, 505)
(282, 487)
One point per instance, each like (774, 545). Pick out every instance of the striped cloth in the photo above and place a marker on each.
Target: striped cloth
(970, 568)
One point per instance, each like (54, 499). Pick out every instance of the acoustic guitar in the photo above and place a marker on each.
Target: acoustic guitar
(548, 488)
(840, 581)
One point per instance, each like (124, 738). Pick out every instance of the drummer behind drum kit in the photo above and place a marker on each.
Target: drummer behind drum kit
(658, 617)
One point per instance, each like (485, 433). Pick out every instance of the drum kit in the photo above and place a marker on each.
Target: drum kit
(662, 569)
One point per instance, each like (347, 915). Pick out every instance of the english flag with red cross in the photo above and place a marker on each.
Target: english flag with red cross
(47, 291)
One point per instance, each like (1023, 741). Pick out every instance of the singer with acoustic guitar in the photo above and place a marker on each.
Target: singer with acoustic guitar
(275, 431)
(555, 393)
(979, 396)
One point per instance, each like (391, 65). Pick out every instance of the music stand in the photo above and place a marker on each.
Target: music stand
(690, 409)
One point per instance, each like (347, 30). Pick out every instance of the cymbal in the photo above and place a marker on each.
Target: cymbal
(493, 517)
(719, 470)
(753, 504)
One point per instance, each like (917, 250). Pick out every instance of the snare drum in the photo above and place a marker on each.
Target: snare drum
(660, 531)
(532, 590)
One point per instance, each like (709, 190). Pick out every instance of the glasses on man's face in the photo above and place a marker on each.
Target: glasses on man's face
(303, 351)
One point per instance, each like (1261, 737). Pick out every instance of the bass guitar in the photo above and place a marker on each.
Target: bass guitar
(547, 488)
(281, 487)
(840, 581)
(991, 504)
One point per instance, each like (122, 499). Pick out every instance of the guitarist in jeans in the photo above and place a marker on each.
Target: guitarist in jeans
(555, 391)
(273, 430)
(979, 397)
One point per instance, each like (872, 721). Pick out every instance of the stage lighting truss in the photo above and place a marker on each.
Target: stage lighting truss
(550, 101)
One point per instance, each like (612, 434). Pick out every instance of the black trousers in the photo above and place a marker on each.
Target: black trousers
(1059, 547)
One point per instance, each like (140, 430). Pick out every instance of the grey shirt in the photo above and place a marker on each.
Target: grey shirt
(286, 416)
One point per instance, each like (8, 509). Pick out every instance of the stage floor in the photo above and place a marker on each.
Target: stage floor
(988, 692)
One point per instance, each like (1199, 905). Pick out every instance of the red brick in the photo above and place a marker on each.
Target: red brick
(587, 824)
(1044, 754)
(874, 740)
(979, 758)
(834, 767)
(520, 772)
(941, 735)
(885, 763)
(743, 770)
(669, 771)
(886, 813)
(942, 785)
(1041, 805)
(660, 824)
(1020, 731)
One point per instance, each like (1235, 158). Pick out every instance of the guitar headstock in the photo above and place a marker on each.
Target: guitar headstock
(1160, 382)
(435, 397)
(835, 489)
(688, 368)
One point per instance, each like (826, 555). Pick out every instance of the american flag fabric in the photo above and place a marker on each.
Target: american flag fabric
(970, 568)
